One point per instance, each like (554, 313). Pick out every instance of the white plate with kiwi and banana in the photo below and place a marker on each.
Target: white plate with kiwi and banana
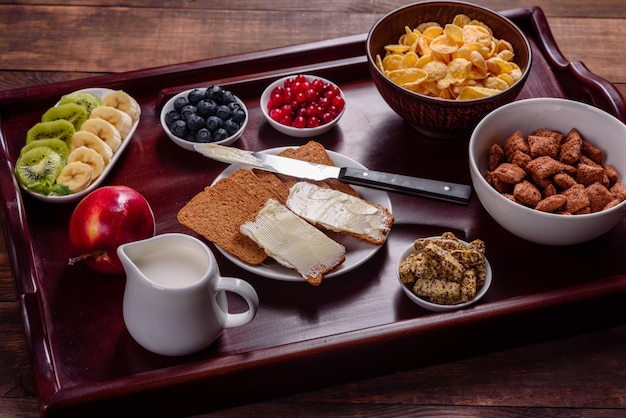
(77, 143)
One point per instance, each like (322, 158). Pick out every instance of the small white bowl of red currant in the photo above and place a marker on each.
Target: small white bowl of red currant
(212, 114)
(303, 105)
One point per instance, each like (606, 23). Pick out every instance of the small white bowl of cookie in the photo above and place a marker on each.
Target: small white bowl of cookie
(444, 273)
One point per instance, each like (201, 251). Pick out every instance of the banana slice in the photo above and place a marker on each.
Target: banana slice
(91, 140)
(76, 176)
(103, 130)
(88, 156)
(123, 101)
(122, 121)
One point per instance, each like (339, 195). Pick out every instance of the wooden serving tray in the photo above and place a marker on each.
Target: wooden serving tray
(352, 326)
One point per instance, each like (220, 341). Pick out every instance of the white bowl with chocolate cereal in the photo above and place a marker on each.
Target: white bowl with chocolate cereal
(444, 273)
(551, 171)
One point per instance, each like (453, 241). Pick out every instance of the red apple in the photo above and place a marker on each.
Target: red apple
(105, 219)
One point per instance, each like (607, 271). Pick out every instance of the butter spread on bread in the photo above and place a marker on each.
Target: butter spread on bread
(340, 212)
(293, 242)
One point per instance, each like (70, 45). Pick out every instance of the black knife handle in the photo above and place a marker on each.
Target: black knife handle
(451, 192)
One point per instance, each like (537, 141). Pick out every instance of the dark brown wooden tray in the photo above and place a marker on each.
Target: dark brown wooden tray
(353, 326)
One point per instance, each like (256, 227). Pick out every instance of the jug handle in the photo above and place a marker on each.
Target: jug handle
(247, 292)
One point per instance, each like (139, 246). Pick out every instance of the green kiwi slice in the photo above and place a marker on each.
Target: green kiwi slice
(56, 145)
(57, 129)
(82, 98)
(38, 168)
(72, 112)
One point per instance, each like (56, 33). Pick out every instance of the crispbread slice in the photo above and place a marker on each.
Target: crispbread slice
(217, 212)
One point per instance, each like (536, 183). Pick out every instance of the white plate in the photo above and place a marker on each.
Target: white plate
(100, 93)
(357, 252)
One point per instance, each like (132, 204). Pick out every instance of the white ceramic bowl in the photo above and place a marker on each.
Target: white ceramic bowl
(289, 130)
(189, 145)
(595, 125)
(435, 306)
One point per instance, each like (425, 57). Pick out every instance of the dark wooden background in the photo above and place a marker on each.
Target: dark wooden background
(48, 41)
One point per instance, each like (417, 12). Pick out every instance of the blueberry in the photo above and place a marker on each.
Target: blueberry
(204, 135)
(214, 93)
(239, 115)
(171, 116)
(227, 97)
(188, 110)
(195, 122)
(195, 96)
(231, 126)
(220, 135)
(180, 103)
(223, 112)
(179, 128)
(206, 108)
(213, 123)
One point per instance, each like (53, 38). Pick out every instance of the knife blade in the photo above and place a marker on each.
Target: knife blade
(416, 186)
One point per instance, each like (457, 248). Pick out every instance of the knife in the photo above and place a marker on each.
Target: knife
(435, 189)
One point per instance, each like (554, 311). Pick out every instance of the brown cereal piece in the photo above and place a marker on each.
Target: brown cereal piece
(544, 167)
(515, 142)
(496, 156)
(500, 186)
(589, 174)
(509, 173)
(593, 152)
(576, 198)
(571, 148)
(552, 203)
(541, 183)
(619, 191)
(564, 181)
(549, 190)
(438, 291)
(584, 211)
(611, 204)
(558, 136)
(445, 262)
(599, 196)
(468, 286)
(520, 159)
(611, 173)
(527, 193)
(544, 145)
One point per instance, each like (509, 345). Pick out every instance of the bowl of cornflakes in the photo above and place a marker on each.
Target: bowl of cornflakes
(442, 66)
(550, 170)
(444, 273)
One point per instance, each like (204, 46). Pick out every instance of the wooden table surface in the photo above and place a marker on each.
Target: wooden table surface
(43, 42)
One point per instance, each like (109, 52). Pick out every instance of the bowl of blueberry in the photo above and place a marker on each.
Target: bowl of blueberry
(302, 105)
(199, 115)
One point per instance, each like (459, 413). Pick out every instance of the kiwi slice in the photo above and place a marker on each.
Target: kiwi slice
(56, 145)
(38, 169)
(72, 112)
(87, 100)
(57, 129)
